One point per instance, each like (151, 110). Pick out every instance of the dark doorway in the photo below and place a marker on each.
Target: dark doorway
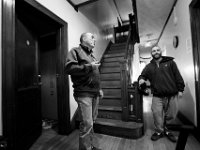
(195, 28)
(47, 63)
(34, 84)
(27, 102)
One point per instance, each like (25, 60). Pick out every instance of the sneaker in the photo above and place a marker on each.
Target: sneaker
(156, 136)
(170, 136)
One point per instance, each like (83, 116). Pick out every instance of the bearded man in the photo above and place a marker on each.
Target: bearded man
(167, 87)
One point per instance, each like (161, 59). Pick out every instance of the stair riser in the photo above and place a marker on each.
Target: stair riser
(109, 114)
(110, 84)
(115, 93)
(114, 55)
(116, 51)
(110, 76)
(119, 132)
(110, 102)
(114, 59)
(110, 64)
(110, 70)
(121, 39)
(118, 46)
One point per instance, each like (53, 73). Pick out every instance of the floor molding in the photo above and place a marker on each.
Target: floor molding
(185, 120)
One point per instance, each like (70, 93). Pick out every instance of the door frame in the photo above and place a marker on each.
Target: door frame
(8, 70)
(194, 19)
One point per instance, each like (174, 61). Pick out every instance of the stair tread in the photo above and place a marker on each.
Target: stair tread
(108, 98)
(116, 51)
(110, 64)
(113, 59)
(119, 44)
(109, 79)
(110, 102)
(110, 108)
(114, 55)
(110, 72)
(110, 67)
(112, 97)
(112, 87)
(118, 123)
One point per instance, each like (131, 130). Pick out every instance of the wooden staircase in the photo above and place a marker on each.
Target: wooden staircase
(110, 105)
(110, 118)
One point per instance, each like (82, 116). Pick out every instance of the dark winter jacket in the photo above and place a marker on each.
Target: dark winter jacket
(165, 78)
(84, 75)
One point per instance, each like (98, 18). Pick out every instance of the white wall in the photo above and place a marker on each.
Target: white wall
(0, 70)
(179, 24)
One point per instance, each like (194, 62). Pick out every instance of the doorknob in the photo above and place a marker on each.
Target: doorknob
(39, 79)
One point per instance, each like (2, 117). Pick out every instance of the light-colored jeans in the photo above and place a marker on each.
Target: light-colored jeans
(165, 107)
(88, 111)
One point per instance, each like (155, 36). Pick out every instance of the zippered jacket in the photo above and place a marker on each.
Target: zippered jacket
(84, 75)
(165, 78)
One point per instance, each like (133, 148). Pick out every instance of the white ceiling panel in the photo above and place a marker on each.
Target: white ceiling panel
(125, 8)
(151, 14)
(101, 13)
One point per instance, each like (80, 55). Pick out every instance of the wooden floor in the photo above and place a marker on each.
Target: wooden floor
(50, 140)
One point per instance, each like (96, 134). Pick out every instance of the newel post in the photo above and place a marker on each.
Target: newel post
(124, 90)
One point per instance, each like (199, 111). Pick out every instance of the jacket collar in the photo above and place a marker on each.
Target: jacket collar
(164, 59)
(86, 49)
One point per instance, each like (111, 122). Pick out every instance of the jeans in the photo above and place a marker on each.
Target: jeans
(164, 108)
(88, 111)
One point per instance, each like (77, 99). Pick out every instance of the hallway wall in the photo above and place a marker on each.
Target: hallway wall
(179, 24)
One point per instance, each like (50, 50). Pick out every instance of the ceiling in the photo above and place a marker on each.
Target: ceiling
(152, 14)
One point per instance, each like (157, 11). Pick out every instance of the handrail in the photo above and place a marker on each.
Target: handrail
(129, 51)
(131, 99)
(134, 5)
(127, 42)
(126, 67)
(107, 48)
(168, 17)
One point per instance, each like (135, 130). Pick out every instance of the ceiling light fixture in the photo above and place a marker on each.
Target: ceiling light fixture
(147, 44)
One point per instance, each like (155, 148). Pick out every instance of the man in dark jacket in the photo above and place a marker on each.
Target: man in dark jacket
(167, 86)
(84, 71)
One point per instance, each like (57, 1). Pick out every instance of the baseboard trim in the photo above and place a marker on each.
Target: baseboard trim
(74, 120)
(185, 120)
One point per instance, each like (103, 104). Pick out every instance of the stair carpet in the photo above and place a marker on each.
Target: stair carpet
(109, 119)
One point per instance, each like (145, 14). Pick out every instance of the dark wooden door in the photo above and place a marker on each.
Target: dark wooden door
(48, 54)
(28, 101)
(195, 29)
(24, 22)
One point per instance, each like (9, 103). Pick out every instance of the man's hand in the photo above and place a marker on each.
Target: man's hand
(141, 81)
(97, 64)
(101, 93)
(180, 95)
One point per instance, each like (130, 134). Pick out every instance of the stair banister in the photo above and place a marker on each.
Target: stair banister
(125, 74)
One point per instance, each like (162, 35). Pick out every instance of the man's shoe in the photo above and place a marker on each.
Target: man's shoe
(156, 136)
(170, 136)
